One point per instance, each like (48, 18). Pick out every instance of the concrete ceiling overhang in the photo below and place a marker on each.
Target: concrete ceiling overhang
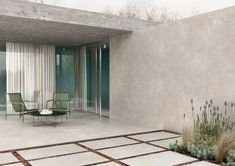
(37, 23)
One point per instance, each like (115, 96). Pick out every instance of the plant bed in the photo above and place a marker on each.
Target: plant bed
(212, 135)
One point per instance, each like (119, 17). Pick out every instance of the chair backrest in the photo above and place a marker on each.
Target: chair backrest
(2, 98)
(60, 100)
(17, 102)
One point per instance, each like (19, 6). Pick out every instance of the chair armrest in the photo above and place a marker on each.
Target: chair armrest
(48, 102)
(27, 101)
(29, 111)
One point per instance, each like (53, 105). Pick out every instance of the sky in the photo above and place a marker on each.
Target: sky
(183, 8)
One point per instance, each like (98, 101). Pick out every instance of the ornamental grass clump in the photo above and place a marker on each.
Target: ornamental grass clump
(186, 136)
(225, 144)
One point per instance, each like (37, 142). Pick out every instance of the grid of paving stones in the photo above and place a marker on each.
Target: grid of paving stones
(146, 148)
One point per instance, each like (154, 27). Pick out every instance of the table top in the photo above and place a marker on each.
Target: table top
(55, 113)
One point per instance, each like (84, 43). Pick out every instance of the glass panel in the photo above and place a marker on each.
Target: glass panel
(90, 60)
(105, 79)
(65, 70)
(2, 77)
(86, 69)
(2, 69)
(93, 84)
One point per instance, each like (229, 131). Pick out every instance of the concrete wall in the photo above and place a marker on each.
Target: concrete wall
(155, 72)
(27, 22)
(36, 11)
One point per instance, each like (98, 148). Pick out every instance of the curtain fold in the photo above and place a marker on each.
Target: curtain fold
(31, 71)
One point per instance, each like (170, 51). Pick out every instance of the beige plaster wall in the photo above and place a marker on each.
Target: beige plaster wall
(156, 71)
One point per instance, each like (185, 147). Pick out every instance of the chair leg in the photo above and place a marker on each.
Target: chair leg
(23, 118)
(6, 115)
(33, 120)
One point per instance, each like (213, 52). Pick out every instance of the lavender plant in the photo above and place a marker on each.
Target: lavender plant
(212, 136)
(210, 122)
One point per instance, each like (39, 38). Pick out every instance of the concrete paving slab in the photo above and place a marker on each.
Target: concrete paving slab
(17, 164)
(164, 158)
(50, 151)
(202, 163)
(108, 143)
(77, 159)
(128, 151)
(80, 126)
(7, 158)
(109, 164)
(154, 136)
(166, 143)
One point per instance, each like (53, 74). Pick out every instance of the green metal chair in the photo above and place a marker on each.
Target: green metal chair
(19, 105)
(60, 102)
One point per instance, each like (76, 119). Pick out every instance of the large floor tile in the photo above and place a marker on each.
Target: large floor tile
(17, 164)
(163, 159)
(50, 151)
(80, 126)
(7, 158)
(109, 164)
(132, 150)
(70, 160)
(154, 136)
(108, 142)
(166, 143)
(202, 163)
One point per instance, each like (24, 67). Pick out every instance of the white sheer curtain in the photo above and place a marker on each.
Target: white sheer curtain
(31, 71)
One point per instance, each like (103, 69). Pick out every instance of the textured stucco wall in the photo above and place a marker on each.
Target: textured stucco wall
(155, 72)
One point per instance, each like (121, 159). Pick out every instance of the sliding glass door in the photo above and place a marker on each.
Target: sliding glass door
(84, 73)
(98, 78)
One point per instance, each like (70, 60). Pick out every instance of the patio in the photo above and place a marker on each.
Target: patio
(141, 73)
(77, 142)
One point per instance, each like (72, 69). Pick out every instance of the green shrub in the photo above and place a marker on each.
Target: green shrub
(228, 164)
(177, 147)
(230, 159)
(202, 152)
